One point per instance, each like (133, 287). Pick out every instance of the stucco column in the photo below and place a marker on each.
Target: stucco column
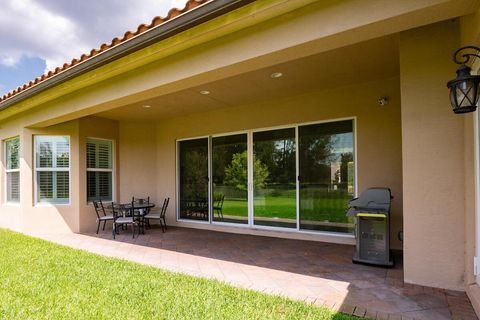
(433, 159)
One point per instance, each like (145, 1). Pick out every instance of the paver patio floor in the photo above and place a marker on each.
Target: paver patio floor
(316, 272)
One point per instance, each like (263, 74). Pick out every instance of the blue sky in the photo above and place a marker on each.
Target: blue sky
(40, 35)
(13, 76)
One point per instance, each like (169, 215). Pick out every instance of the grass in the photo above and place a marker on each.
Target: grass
(281, 206)
(42, 280)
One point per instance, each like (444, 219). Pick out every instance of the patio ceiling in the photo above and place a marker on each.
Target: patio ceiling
(366, 61)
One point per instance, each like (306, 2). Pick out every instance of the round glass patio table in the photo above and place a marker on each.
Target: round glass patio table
(140, 206)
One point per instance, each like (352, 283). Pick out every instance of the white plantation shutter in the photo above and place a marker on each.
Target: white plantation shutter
(12, 155)
(13, 186)
(91, 154)
(45, 185)
(62, 153)
(53, 168)
(45, 156)
(99, 169)
(12, 148)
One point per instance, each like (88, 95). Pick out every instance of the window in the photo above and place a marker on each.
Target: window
(327, 175)
(52, 166)
(295, 178)
(193, 177)
(99, 169)
(274, 178)
(12, 162)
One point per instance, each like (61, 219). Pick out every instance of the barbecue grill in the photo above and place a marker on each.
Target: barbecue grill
(372, 212)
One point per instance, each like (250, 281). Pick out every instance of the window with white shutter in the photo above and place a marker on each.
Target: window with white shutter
(52, 167)
(12, 162)
(99, 169)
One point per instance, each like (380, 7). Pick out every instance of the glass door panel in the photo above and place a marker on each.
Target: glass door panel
(327, 175)
(274, 178)
(229, 176)
(193, 179)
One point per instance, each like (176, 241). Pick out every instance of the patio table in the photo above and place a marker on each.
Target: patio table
(140, 206)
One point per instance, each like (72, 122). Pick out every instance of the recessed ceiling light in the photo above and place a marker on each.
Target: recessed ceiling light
(204, 92)
(146, 106)
(276, 75)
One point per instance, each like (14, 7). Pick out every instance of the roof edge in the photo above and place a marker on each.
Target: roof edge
(188, 20)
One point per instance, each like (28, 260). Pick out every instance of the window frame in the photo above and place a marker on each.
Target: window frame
(54, 201)
(7, 171)
(112, 170)
(250, 133)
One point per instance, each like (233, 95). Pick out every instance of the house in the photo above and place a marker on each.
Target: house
(262, 117)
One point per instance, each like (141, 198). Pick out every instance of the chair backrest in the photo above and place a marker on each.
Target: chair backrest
(99, 208)
(141, 200)
(221, 201)
(118, 210)
(115, 210)
(164, 207)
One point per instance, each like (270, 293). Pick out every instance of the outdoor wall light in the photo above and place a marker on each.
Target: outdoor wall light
(276, 75)
(465, 88)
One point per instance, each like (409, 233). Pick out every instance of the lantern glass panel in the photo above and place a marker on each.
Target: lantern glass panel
(465, 93)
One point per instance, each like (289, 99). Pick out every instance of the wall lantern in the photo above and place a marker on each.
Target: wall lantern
(465, 88)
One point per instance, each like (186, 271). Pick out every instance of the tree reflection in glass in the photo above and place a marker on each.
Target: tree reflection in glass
(230, 179)
(193, 189)
(326, 170)
(274, 178)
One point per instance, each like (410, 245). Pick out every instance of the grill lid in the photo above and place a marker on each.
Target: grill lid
(371, 200)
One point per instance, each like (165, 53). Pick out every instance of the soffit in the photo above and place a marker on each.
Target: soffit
(366, 61)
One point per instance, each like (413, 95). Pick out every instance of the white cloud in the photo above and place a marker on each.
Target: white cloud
(59, 30)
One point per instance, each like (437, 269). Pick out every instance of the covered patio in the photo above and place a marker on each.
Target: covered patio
(260, 128)
(320, 273)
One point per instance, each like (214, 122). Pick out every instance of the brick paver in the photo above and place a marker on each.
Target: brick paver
(315, 272)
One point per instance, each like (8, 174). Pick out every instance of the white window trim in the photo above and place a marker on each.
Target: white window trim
(476, 139)
(54, 160)
(250, 132)
(112, 170)
(7, 171)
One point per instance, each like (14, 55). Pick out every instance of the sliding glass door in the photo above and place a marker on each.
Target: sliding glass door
(327, 172)
(230, 179)
(300, 177)
(274, 182)
(193, 179)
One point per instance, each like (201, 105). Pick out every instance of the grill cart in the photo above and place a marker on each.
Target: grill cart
(372, 212)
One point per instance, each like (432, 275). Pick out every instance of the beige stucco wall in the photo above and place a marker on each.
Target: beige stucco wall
(29, 216)
(138, 161)
(78, 215)
(433, 159)
(378, 138)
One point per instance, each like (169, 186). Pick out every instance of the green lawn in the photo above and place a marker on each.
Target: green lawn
(282, 206)
(42, 280)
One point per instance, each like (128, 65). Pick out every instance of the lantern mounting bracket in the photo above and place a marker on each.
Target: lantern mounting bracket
(466, 56)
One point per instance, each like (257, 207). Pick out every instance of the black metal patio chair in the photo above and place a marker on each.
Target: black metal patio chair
(160, 215)
(123, 216)
(218, 205)
(101, 214)
(140, 213)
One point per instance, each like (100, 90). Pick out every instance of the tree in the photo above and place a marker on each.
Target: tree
(236, 173)
(194, 175)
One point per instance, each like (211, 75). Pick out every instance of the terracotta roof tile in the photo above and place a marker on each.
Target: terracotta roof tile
(191, 4)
